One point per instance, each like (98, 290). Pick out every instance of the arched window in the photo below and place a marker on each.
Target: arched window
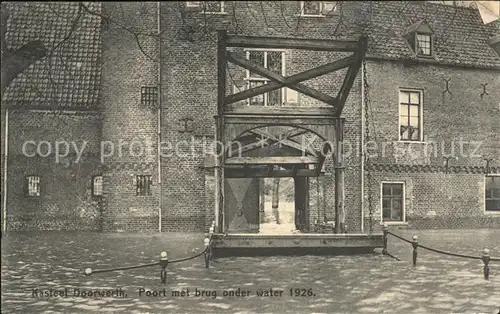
(97, 186)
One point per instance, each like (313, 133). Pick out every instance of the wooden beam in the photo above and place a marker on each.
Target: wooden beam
(257, 120)
(351, 74)
(259, 143)
(292, 43)
(237, 173)
(272, 160)
(284, 141)
(292, 82)
(221, 94)
(280, 111)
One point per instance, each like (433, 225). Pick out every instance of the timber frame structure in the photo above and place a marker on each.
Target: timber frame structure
(324, 122)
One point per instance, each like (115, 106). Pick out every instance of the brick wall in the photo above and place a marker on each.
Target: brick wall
(65, 201)
(129, 63)
(434, 198)
(190, 90)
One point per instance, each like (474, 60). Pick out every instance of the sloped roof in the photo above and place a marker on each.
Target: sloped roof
(460, 37)
(69, 77)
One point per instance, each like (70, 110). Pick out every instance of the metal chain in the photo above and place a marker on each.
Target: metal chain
(367, 156)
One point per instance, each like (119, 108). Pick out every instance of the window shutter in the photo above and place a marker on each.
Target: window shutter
(292, 97)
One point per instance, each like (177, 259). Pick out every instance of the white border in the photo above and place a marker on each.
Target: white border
(488, 213)
(421, 113)
(403, 222)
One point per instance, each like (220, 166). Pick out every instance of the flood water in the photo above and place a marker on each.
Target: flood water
(312, 284)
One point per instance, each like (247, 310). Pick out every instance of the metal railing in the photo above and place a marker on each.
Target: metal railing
(164, 261)
(486, 258)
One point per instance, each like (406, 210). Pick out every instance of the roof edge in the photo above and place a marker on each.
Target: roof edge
(432, 62)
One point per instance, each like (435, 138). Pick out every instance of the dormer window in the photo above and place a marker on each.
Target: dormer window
(419, 36)
(494, 43)
(423, 45)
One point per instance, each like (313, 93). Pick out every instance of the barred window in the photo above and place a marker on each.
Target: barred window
(143, 185)
(149, 95)
(32, 186)
(97, 186)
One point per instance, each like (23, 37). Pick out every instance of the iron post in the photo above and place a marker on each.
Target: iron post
(163, 264)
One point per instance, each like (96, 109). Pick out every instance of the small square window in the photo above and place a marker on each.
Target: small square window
(143, 185)
(32, 186)
(149, 95)
(97, 186)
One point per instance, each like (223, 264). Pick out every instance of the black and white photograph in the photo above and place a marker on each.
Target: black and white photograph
(250, 157)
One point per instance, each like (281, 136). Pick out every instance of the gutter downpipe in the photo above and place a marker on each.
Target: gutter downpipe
(159, 89)
(5, 168)
(362, 150)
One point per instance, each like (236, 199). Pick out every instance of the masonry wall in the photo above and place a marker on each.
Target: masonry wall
(129, 141)
(462, 125)
(189, 90)
(65, 201)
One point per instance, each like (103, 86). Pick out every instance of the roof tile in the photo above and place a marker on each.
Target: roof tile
(71, 66)
(460, 37)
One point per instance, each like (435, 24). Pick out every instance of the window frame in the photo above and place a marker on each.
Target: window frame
(420, 114)
(431, 46)
(147, 192)
(93, 186)
(147, 97)
(489, 212)
(321, 9)
(264, 80)
(403, 203)
(27, 186)
(191, 4)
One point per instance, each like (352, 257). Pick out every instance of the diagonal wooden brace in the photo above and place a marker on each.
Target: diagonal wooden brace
(279, 81)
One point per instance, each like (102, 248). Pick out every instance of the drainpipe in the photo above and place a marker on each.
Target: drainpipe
(5, 166)
(362, 150)
(159, 89)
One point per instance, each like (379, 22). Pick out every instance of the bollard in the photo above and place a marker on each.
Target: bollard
(207, 251)
(486, 261)
(386, 233)
(163, 264)
(415, 246)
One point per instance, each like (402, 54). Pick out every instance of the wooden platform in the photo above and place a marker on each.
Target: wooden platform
(295, 244)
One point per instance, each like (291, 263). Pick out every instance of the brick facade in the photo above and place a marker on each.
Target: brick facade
(66, 201)
(435, 198)
(185, 197)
